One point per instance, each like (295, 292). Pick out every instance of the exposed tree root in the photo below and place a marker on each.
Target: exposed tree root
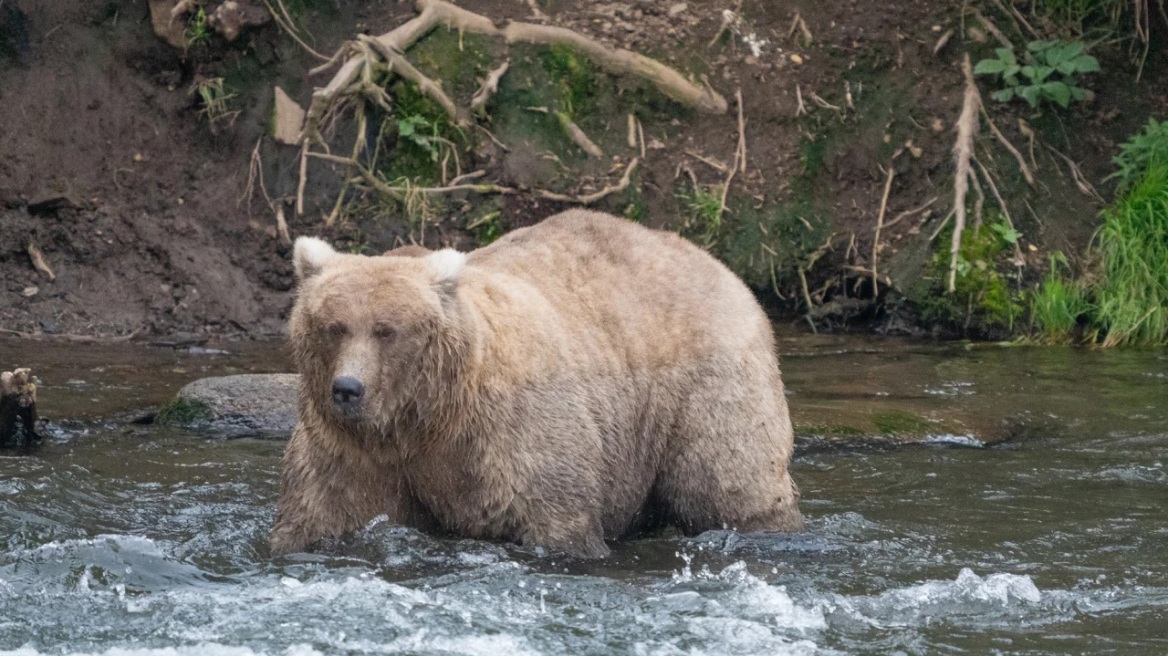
(879, 226)
(573, 132)
(963, 154)
(490, 86)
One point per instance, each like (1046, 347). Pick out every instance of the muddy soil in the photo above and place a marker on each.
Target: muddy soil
(141, 210)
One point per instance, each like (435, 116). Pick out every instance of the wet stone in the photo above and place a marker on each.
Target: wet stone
(245, 405)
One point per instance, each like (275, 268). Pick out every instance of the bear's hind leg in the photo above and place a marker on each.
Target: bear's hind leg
(727, 459)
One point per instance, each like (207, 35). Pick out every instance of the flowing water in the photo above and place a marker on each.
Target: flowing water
(117, 538)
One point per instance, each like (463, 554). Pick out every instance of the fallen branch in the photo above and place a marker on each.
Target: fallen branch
(962, 154)
(1077, 175)
(588, 199)
(573, 132)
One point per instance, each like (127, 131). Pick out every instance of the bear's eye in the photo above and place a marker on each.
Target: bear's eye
(337, 330)
(384, 332)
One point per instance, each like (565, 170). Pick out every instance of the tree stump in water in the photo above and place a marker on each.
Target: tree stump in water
(17, 406)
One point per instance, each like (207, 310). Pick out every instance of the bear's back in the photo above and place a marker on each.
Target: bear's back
(635, 282)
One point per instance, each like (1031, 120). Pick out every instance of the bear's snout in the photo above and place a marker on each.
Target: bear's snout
(347, 393)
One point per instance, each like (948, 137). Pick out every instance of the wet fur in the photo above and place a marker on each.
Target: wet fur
(561, 387)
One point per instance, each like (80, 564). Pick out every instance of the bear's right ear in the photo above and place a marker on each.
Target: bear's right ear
(310, 256)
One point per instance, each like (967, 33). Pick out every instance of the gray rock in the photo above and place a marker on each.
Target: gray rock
(246, 405)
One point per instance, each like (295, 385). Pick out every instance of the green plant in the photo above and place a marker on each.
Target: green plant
(1050, 72)
(1149, 148)
(982, 295)
(1131, 300)
(198, 31)
(1057, 306)
(421, 132)
(487, 228)
(214, 99)
(703, 207)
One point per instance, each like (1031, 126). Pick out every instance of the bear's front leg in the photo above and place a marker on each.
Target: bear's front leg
(330, 487)
(579, 536)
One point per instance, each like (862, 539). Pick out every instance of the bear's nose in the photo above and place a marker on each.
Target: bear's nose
(347, 390)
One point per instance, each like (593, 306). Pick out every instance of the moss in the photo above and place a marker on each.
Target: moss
(766, 246)
(901, 423)
(984, 299)
(183, 412)
(574, 77)
(830, 430)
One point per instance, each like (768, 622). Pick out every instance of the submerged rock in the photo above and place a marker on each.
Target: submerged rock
(245, 405)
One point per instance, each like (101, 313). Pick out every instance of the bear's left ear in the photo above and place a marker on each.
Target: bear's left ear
(447, 264)
(310, 256)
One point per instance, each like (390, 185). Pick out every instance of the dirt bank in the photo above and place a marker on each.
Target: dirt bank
(110, 168)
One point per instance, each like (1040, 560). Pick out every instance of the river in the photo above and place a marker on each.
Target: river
(1032, 518)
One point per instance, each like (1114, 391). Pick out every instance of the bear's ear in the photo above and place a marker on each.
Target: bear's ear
(310, 256)
(446, 264)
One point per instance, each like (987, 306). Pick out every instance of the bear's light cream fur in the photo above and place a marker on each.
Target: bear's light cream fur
(577, 380)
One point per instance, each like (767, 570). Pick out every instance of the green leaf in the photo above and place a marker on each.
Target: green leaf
(989, 67)
(1030, 72)
(1078, 93)
(1059, 92)
(1008, 234)
(1003, 95)
(1012, 69)
(1030, 94)
(1086, 64)
(1039, 46)
(1006, 55)
(405, 127)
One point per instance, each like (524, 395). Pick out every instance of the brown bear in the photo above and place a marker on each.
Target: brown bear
(573, 382)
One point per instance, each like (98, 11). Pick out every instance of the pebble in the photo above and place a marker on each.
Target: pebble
(678, 8)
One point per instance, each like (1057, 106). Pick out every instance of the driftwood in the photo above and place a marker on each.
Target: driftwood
(18, 413)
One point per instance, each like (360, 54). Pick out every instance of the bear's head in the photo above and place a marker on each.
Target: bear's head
(370, 334)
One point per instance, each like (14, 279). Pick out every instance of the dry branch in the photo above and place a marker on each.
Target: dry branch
(963, 154)
(588, 199)
(404, 68)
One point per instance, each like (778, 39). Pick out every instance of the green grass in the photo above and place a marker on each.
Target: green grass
(703, 207)
(1131, 300)
(1058, 305)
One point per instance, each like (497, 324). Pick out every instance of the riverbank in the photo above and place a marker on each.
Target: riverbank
(137, 199)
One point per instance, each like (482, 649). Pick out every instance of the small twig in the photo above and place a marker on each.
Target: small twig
(291, 30)
(907, 213)
(1013, 12)
(465, 177)
(821, 102)
(993, 29)
(38, 261)
(632, 130)
(801, 109)
(502, 146)
(573, 131)
(806, 299)
(303, 182)
(1077, 175)
(1010, 147)
(879, 226)
(741, 132)
(717, 166)
(282, 226)
(588, 199)
(1018, 259)
(941, 42)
